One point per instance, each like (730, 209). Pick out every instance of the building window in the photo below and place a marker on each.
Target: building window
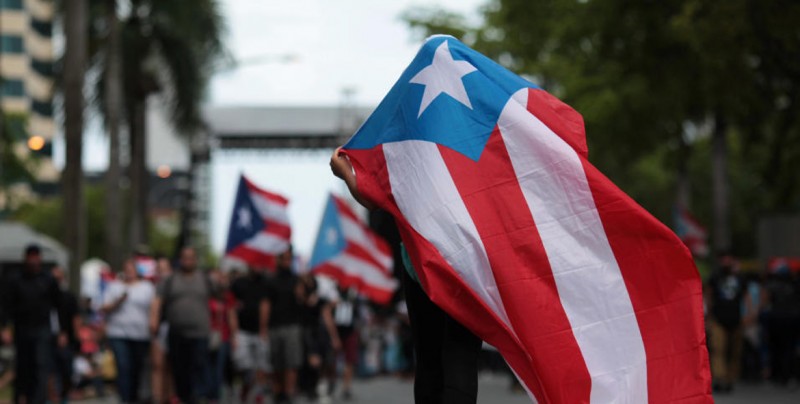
(44, 69)
(12, 88)
(44, 28)
(11, 44)
(11, 4)
(42, 108)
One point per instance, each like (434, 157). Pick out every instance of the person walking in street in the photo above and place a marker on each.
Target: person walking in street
(161, 384)
(251, 353)
(725, 292)
(65, 344)
(30, 298)
(127, 309)
(446, 362)
(183, 299)
(285, 311)
(224, 324)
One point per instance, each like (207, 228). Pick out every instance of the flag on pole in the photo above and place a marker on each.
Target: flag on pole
(518, 237)
(352, 254)
(689, 229)
(259, 228)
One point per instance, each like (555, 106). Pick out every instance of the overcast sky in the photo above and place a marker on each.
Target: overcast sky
(305, 52)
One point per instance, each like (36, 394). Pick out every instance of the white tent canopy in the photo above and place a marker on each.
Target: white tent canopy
(14, 237)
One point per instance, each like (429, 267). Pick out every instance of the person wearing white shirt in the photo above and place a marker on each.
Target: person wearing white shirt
(127, 308)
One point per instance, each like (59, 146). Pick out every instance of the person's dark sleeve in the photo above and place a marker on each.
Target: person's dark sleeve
(8, 302)
(268, 292)
(5, 303)
(55, 293)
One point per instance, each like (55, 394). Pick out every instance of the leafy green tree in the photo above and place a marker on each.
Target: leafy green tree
(13, 168)
(666, 89)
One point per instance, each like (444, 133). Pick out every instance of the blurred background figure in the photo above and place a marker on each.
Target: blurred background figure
(161, 385)
(754, 352)
(222, 308)
(183, 299)
(319, 335)
(782, 319)
(285, 332)
(65, 342)
(345, 317)
(127, 309)
(725, 294)
(30, 298)
(251, 350)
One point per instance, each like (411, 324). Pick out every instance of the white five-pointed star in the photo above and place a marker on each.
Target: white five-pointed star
(245, 218)
(443, 75)
(331, 236)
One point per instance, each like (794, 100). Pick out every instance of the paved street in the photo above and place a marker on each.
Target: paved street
(494, 390)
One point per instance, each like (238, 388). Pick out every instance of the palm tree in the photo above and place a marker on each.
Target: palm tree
(168, 47)
(76, 32)
(112, 100)
(165, 47)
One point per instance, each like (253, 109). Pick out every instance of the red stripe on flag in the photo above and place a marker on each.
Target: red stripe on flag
(442, 284)
(666, 293)
(279, 229)
(560, 118)
(279, 199)
(521, 267)
(254, 258)
(361, 253)
(381, 296)
(663, 286)
(345, 209)
(446, 288)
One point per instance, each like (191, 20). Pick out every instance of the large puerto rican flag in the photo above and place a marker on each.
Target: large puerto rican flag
(515, 234)
(259, 228)
(352, 254)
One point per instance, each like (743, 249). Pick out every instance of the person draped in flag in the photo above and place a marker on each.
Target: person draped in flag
(446, 353)
(514, 234)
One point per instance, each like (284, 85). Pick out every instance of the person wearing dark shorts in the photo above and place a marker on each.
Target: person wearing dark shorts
(285, 314)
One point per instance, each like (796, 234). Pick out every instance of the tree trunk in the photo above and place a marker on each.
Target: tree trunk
(75, 29)
(113, 100)
(138, 171)
(719, 174)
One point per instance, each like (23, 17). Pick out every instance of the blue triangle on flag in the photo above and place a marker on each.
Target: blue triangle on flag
(446, 121)
(246, 222)
(330, 239)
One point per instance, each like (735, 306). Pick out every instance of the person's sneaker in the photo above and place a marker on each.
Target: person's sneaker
(347, 395)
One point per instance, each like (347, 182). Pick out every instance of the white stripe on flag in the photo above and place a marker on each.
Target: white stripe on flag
(356, 233)
(429, 200)
(270, 210)
(588, 278)
(267, 243)
(365, 271)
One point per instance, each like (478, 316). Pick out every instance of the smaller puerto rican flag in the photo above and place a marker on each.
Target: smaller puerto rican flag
(352, 254)
(691, 232)
(259, 228)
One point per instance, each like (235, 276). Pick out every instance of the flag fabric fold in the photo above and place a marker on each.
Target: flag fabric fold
(259, 229)
(518, 237)
(352, 254)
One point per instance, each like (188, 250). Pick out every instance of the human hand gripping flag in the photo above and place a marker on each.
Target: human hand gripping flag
(517, 236)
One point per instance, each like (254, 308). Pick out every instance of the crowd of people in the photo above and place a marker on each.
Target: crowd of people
(753, 325)
(189, 335)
